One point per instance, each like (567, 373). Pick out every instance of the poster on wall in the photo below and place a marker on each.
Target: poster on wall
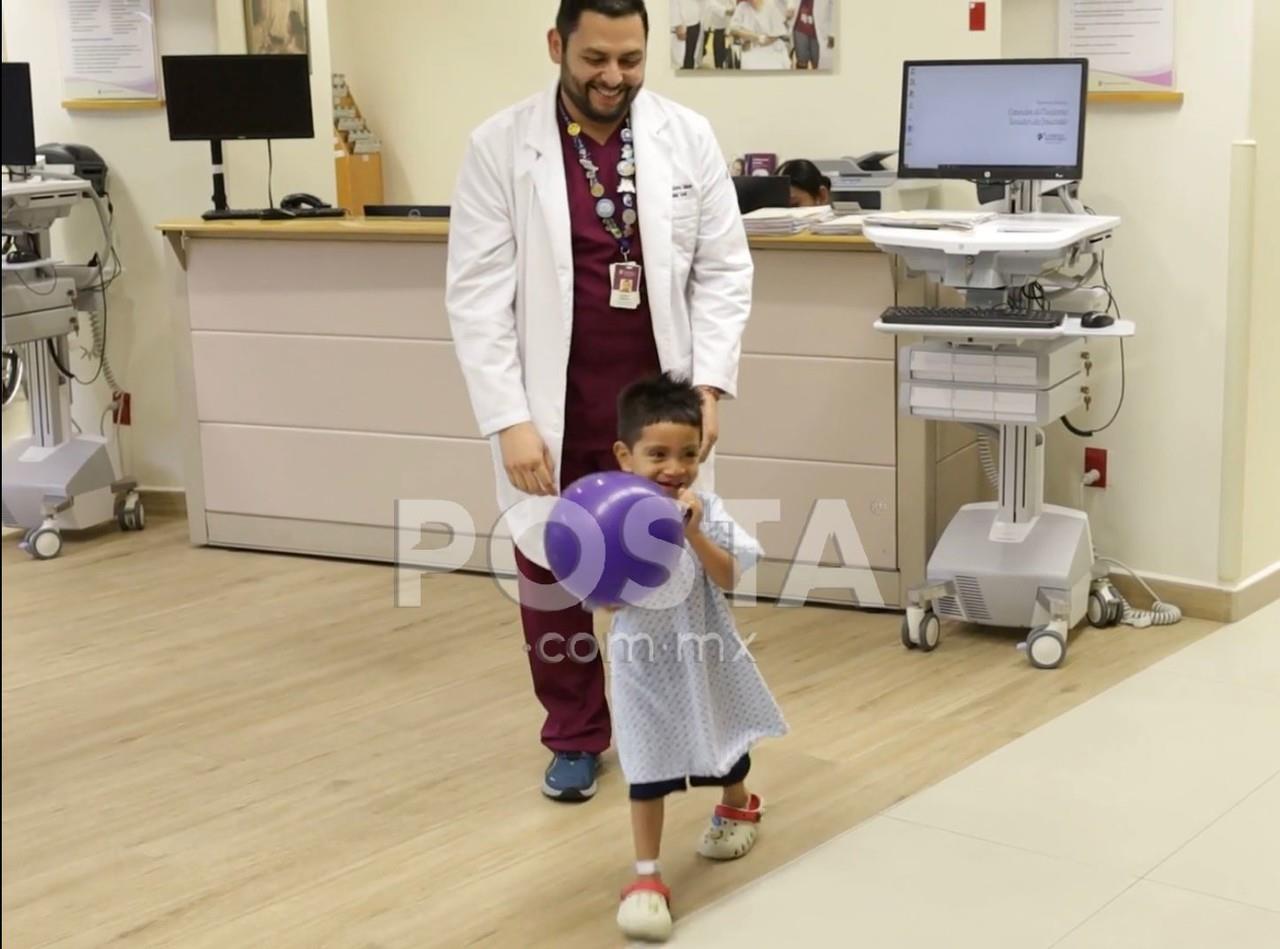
(276, 26)
(108, 50)
(735, 36)
(1129, 43)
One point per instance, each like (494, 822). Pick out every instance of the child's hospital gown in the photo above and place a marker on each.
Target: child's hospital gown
(688, 700)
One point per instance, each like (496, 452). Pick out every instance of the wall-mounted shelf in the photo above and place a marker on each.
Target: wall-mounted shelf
(111, 105)
(1157, 96)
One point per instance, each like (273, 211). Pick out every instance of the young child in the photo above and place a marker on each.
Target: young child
(688, 701)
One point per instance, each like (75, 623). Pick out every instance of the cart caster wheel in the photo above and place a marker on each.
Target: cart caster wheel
(1046, 648)
(43, 543)
(1105, 607)
(930, 631)
(132, 516)
(906, 634)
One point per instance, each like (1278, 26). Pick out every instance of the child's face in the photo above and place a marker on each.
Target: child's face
(666, 452)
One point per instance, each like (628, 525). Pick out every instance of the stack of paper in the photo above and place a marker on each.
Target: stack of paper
(932, 220)
(843, 224)
(777, 222)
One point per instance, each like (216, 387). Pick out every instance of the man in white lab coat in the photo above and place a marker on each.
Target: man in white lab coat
(565, 204)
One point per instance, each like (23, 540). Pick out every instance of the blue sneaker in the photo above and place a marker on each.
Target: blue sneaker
(571, 776)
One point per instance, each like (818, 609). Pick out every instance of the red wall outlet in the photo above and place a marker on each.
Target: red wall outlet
(1095, 459)
(122, 413)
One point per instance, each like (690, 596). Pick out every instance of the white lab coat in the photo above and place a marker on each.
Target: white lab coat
(716, 14)
(510, 273)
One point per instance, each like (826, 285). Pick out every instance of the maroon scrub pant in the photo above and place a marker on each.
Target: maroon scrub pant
(568, 674)
(609, 349)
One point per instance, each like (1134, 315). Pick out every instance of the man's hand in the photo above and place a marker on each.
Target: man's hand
(681, 32)
(527, 460)
(710, 419)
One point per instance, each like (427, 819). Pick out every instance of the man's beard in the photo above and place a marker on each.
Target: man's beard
(580, 95)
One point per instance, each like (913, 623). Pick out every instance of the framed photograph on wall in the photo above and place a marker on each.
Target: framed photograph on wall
(276, 26)
(734, 36)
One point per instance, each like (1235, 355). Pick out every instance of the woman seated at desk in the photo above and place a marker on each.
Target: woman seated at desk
(809, 186)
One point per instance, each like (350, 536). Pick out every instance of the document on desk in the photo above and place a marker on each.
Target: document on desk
(932, 220)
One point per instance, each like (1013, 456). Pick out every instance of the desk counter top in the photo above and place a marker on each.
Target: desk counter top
(426, 230)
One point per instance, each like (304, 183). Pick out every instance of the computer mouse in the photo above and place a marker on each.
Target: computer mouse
(1096, 321)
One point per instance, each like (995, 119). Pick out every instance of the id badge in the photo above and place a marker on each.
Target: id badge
(624, 281)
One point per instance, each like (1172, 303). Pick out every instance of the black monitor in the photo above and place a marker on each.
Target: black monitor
(225, 98)
(18, 136)
(235, 97)
(762, 191)
(993, 119)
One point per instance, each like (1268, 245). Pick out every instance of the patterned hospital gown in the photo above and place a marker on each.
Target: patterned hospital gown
(688, 700)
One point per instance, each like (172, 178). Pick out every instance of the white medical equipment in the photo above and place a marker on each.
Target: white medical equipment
(55, 479)
(1017, 562)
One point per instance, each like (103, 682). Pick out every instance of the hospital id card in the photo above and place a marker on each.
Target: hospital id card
(624, 283)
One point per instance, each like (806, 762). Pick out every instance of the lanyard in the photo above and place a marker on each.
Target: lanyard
(606, 208)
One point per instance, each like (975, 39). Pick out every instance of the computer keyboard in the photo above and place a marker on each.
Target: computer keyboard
(272, 214)
(996, 318)
(247, 214)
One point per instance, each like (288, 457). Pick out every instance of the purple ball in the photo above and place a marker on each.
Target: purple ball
(610, 529)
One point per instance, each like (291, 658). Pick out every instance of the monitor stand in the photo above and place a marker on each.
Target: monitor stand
(220, 210)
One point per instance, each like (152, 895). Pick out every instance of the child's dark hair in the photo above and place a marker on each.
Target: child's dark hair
(806, 176)
(657, 399)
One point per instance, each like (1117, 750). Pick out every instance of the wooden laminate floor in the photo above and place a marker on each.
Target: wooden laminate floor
(209, 748)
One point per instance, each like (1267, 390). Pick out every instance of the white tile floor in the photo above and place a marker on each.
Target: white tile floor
(1147, 818)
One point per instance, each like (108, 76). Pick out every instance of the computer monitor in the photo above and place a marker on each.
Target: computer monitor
(232, 97)
(225, 98)
(993, 119)
(762, 191)
(18, 136)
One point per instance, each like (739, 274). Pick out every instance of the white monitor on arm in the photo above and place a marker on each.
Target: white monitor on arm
(993, 120)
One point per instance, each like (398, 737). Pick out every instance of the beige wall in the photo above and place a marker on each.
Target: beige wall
(425, 74)
(1165, 171)
(426, 80)
(1261, 541)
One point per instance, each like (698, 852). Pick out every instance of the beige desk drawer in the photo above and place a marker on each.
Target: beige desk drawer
(869, 494)
(366, 385)
(816, 304)
(341, 477)
(812, 410)
(346, 288)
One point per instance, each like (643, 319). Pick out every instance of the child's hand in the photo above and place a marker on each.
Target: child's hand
(692, 506)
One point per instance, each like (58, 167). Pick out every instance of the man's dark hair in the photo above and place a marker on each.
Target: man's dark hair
(653, 400)
(571, 12)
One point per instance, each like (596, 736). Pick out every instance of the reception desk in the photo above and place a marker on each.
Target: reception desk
(319, 387)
